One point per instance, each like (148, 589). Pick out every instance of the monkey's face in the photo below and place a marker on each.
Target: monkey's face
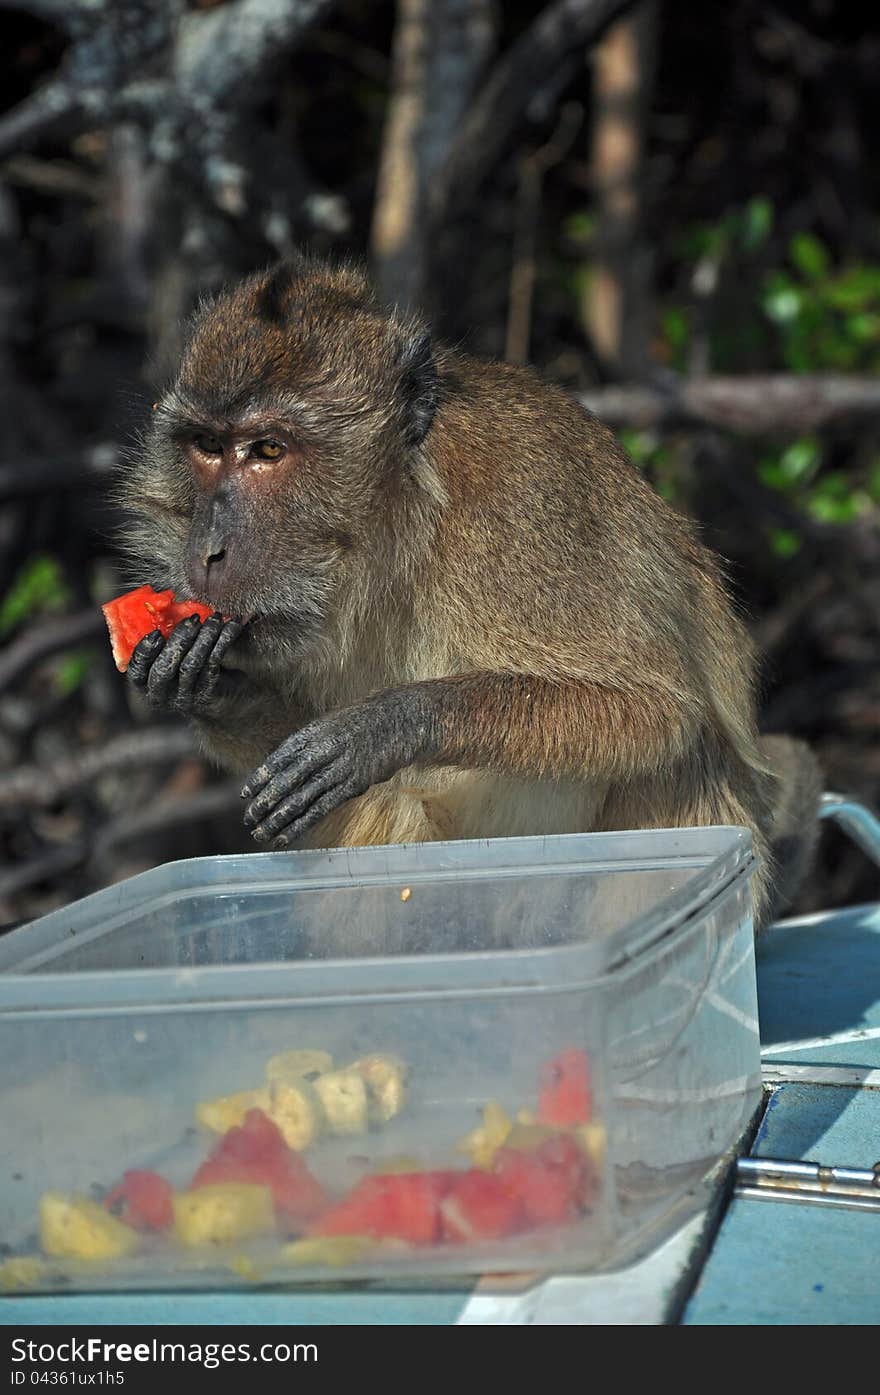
(274, 460)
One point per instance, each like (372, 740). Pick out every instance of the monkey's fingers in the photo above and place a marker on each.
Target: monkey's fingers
(165, 669)
(192, 665)
(292, 779)
(222, 639)
(308, 750)
(142, 657)
(294, 816)
(286, 810)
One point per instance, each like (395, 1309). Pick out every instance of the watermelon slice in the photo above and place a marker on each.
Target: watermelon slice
(256, 1152)
(479, 1207)
(565, 1097)
(141, 611)
(142, 1200)
(400, 1206)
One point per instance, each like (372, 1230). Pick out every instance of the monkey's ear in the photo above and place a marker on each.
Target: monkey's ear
(418, 384)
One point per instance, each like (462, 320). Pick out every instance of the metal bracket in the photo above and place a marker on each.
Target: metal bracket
(855, 820)
(775, 1179)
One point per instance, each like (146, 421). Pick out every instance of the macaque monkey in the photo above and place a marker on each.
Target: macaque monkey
(456, 608)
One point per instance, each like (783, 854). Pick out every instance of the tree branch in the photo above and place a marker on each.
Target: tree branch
(37, 786)
(760, 405)
(531, 73)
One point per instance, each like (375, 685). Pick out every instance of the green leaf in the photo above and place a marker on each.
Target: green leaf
(809, 256)
(783, 301)
(579, 226)
(757, 222)
(39, 586)
(71, 671)
(800, 459)
(785, 542)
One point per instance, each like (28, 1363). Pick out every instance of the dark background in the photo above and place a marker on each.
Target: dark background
(670, 209)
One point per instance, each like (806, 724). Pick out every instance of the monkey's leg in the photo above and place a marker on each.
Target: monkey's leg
(510, 723)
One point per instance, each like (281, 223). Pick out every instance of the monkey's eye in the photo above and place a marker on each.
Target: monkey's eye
(267, 450)
(208, 445)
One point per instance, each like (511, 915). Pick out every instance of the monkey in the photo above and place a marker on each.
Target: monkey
(446, 604)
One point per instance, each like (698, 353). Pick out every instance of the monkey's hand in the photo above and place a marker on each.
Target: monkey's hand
(183, 673)
(330, 761)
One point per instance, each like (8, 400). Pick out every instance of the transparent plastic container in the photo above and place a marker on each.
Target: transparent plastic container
(474, 963)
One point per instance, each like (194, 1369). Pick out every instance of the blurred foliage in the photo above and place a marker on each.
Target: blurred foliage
(38, 589)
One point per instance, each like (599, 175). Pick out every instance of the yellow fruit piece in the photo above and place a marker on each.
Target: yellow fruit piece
(76, 1228)
(333, 1250)
(22, 1271)
(245, 1269)
(403, 1163)
(483, 1143)
(526, 1116)
(529, 1137)
(223, 1212)
(290, 1065)
(343, 1096)
(295, 1108)
(385, 1077)
(594, 1141)
(228, 1111)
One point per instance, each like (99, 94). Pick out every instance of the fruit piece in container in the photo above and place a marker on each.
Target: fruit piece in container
(21, 1272)
(223, 1212)
(77, 1228)
(256, 1153)
(335, 1251)
(543, 1193)
(482, 1143)
(402, 1206)
(294, 1107)
(139, 612)
(229, 1111)
(292, 1065)
(565, 1097)
(343, 1098)
(479, 1207)
(142, 1200)
(385, 1078)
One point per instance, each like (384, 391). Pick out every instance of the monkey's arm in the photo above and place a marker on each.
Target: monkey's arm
(507, 722)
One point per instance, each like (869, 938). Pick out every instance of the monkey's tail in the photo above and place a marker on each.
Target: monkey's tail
(793, 828)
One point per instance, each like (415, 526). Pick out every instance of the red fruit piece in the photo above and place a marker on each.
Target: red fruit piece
(400, 1205)
(565, 1097)
(255, 1151)
(479, 1207)
(141, 611)
(142, 1200)
(542, 1193)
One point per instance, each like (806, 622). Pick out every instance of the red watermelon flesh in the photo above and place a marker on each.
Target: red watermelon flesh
(141, 611)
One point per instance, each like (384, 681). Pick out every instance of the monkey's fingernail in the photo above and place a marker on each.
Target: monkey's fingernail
(280, 842)
(245, 791)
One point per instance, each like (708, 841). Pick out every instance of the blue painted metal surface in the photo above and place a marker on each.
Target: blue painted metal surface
(777, 1263)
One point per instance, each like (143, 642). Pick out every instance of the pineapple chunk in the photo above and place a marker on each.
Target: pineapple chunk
(228, 1111)
(20, 1272)
(294, 1107)
(291, 1065)
(76, 1228)
(594, 1141)
(385, 1077)
(331, 1250)
(483, 1143)
(529, 1137)
(343, 1096)
(226, 1211)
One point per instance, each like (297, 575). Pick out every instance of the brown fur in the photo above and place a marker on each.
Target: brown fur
(584, 665)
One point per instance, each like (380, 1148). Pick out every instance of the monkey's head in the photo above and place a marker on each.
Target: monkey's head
(278, 453)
